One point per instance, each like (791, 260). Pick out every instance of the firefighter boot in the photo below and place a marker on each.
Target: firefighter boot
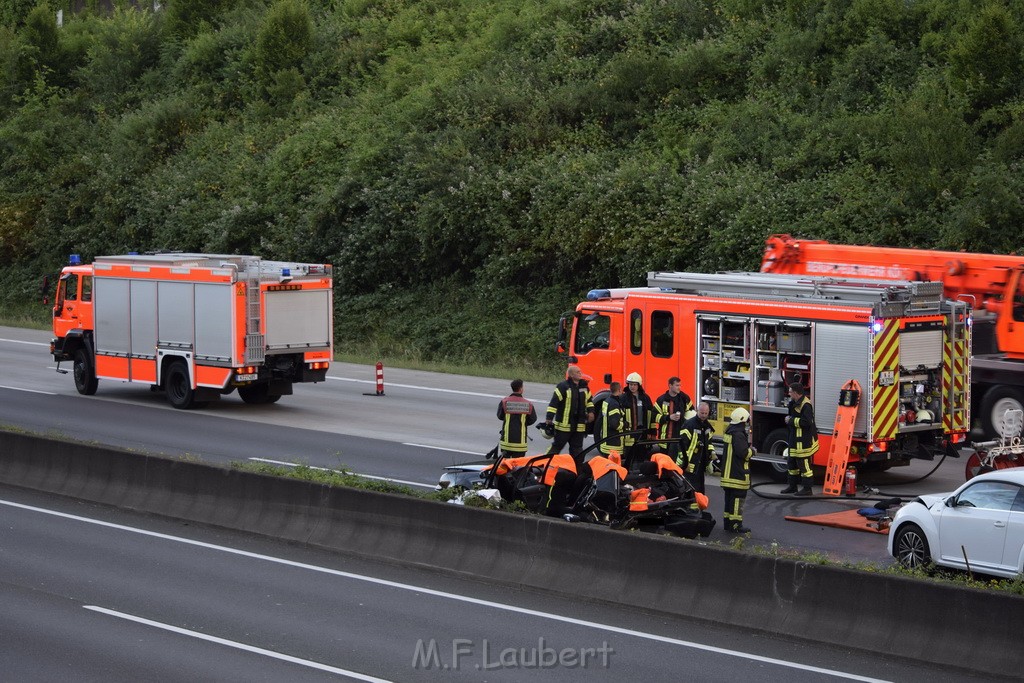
(791, 483)
(805, 487)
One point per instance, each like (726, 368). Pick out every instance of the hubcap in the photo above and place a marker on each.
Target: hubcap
(911, 550)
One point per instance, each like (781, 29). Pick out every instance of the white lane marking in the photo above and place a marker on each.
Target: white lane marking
(31, 343)
(438, 389)
(356, 474)
(236, 645)
(442, 448)
(450, 596)
(31, 391)
(7, 386)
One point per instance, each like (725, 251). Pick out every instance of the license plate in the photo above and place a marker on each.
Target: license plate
(245, 378)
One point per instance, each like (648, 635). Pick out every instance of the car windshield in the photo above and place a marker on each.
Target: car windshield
(592, 332)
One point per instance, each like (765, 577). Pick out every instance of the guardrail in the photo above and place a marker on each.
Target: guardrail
(886, 614)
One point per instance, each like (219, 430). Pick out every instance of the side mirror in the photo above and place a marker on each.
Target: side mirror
(560, 348)
(950, 502)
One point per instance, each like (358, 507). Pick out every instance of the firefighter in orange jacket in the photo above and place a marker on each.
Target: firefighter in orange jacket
(803, 442)
(736, 469)
(516, 414)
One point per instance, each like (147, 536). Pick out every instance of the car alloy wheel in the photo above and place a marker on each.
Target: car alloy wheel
(911, 548)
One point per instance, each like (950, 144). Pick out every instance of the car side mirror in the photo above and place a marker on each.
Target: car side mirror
(950, 502)
(560, 347)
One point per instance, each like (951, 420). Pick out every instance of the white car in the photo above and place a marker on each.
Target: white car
(980, 527)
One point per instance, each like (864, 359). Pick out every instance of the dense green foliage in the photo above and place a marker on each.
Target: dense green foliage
(471, 166)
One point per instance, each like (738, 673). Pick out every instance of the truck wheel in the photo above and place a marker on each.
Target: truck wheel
(257, 393)
(910, 547)
(997, 401)
(776, 444)
(85, 375)
(179, 387)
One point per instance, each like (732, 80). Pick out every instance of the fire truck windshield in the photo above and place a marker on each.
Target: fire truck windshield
(593, 331)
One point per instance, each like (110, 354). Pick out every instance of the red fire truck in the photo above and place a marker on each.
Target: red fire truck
(197, 326)
(737, 340)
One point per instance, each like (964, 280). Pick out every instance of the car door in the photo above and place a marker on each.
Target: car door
(973, 523)
(1013, 550)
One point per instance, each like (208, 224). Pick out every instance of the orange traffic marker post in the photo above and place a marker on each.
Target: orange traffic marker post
(380, 381)
(842, 438)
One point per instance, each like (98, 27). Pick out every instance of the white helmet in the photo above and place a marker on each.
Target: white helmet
(739, 416)
(634, 377)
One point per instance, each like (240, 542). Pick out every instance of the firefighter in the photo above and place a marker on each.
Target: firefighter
(640, 414)
(516, 414)
(736, 469)
(609, 420)
(674, 407)
(696, 452)
(803, 442)
(570, 410)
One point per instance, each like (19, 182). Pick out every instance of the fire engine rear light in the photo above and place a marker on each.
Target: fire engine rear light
(876, 326)
(246, 374)
(319, 365)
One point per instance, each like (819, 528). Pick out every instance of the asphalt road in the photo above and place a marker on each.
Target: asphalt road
(89, 593)
(423, 422)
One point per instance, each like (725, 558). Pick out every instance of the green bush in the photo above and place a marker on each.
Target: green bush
(472, 167)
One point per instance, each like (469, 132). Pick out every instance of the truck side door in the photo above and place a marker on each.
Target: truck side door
(65, 306)
(596, 346)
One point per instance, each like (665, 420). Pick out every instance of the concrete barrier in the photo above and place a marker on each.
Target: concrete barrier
(893, 615)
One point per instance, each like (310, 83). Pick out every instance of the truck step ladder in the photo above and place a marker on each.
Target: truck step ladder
(255, 352)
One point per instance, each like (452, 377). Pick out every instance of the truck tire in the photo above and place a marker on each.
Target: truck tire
(257, 393)
(997, 401)
(775, 444)
(178, 386)
(85, 374)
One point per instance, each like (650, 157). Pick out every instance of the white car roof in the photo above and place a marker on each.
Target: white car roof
(1014, 475)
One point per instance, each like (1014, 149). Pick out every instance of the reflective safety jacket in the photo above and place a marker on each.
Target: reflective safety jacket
(639, 500)
(666, 463)
(600, 466)
(516, 414)
(695, 447)
(609, 422)
(558, 461)
(736, 458)
(803, 433)
(639, 412)
(666, 405)
(570, 404)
